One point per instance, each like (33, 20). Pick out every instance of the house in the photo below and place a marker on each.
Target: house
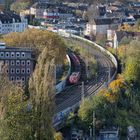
(17, 63)
(11, 22)
(101, 25)
(50, 11)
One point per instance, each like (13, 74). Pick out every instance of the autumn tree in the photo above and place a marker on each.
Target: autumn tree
(15, 118)
(131, 71)
(19, 6)
(41, 88)
(35, 113)
(58, 136)
(37, 40)
(104, 111)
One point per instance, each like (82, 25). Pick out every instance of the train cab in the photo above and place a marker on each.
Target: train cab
(74, 77)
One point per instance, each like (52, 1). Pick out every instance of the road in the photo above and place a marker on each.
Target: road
(71, 96)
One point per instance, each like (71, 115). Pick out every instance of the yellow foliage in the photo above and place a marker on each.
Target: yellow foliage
(122, 51)
(58, 136)
(125, 27)
(116, 85)
(112, 93)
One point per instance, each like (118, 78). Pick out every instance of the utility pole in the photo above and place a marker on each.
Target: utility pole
(94, 136)
(55, 75)
(109, 75)
(82, 92)
(96, 75)
(90, 132)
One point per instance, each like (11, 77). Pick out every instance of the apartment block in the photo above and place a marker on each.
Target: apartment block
(11, 22)
(17, 63)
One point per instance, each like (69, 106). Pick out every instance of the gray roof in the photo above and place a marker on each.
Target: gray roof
(8, 16)
(106, 21)
(9, 49)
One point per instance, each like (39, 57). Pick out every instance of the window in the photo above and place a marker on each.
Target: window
(23, 54)
(12, 54)
(23, 62)
(12, 78)
(22, 71)
(7, 70)
(12, 63)
(28, 71)
(17, 54)
(17, 71)
(17, 62)
(7, 54)
(12, 71)
(28, 62)
(1, 54)
(7, 62)
(23, 79)
(17, 78)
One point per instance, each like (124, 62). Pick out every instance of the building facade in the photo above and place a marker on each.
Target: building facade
(50, 11)
(17, 63)
(11, 22)
(101, 25)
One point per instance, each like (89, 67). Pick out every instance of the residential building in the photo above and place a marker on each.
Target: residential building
(17, 63)
(11, 22)
(101, 25)
(50, 11)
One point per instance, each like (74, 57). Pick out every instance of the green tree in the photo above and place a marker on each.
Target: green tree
(104, 111)
(15, 119)
(41, 88)
(32, 118)
(131, 71)
(42, 83)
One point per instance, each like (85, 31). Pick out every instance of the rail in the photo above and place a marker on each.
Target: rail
(113, 59)
(61, 116)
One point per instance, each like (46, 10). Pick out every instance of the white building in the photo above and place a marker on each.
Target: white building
(101, 25)
(11, 22)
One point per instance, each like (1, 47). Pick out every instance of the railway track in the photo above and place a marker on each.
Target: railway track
(72, 96)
